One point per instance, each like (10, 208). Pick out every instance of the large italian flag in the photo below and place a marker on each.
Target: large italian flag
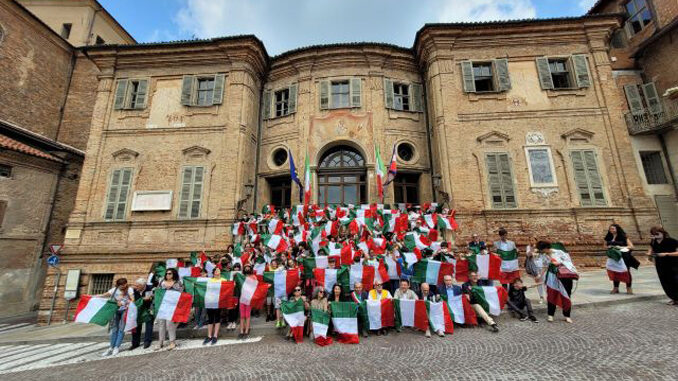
(276, 242)
(192, 271)
(555, 291)
(362, 274)
(327, 278)
(432, 272)
(252, 292)
(214, 294)
(172, 305)
(488, 266)
(345, 321)
(380, 313)
(616, 268)
(447, 222)
(440, 317)
(416, 241)
(283, 282)
(492, 299)
(320, 321)
(95, 310)
(293, 312)
(462, 310)
(190, 282)
(275, 226)
(410, 313)
(510, 269)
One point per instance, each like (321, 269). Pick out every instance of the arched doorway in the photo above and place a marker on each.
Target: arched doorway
(342, 177)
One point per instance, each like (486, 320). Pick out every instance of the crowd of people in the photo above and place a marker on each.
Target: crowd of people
(390, 241)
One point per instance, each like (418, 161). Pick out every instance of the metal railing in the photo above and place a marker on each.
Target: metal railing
(646, 121)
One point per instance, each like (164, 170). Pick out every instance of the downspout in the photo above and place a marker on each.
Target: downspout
(428, 137)
(260, 118)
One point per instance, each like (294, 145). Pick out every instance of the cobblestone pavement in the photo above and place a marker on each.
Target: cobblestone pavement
(625, 342)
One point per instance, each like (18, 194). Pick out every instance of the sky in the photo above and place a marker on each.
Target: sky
(285, 24)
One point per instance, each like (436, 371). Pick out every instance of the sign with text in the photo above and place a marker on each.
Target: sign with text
(148, 201)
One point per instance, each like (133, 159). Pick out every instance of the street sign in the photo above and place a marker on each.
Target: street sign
(53, 260)
(55, 248)
(72, 284)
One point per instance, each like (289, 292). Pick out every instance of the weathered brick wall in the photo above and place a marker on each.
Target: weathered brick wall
(34, 72)
(77, 116)
(667, 11)
(659, 62)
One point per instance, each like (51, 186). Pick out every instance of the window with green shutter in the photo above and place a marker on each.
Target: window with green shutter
(486, 76)
(190, 196)
(500, 180)
(587, 178)
(203, 90)
(131, 94)
(563, 73)
(118, 191)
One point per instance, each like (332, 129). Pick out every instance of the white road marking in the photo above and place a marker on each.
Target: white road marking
(7, 348)
(83, 349)
(31, 350)
(15, 349)
(13, 327)
(39, 355)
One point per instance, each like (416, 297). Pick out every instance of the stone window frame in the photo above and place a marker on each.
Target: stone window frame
(549, 153)
(130, 98)
(415, 151)
(500, 76)
(271, 162)
(415, 92)
(355, 89)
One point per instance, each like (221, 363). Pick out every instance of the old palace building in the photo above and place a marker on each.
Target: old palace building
(518, 124)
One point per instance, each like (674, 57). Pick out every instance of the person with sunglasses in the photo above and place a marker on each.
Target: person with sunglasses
(319, 302)
(378, 293)
(296, 295)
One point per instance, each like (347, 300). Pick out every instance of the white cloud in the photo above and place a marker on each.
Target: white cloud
(586, 5)
(284, 25)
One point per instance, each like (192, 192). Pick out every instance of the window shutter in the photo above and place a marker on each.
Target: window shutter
(266, 105)
(633, 98)
(196, 192)
(652, 98)
(112, 194)
(417, 91)
(356, 92)
(124, 190)
(116, 202)
(581, 70)
(544, 71)
(187, 90)
(595, 183)
(185, 197)
(502, 74)
(388, 93)
(292, 100)
(587, 178)
(324, 95)
(628, 27)
(142, 92)
(120, 93)
(467, 77)
(580, 179)
(218, 92)
(507, 181)
(500, 180)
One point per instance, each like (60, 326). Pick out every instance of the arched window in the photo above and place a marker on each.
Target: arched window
(342, 177)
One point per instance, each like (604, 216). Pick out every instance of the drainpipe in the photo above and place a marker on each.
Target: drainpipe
(428, 136)
(668, 163)
(258, 150)
(66, 91)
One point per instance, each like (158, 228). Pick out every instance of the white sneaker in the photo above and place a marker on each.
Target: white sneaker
(441, 333)
(428, 333)
(116, 350)
(549, 319)
(107, 353)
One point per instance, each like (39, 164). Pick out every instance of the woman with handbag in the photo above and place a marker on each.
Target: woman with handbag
(536, 264)
(558, 278)
(619, 258)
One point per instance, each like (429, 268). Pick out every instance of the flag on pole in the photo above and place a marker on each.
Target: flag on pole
(95, 310)
(492, 299)
(410, 313)
(293, 174)
(380, 171)
(293, 313)
(307, 184)
(380, 313)
(345, 321)
(172, 305)
(392, 168)
(320, 321)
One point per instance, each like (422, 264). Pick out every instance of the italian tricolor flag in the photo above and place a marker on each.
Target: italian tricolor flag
(461, 308)
(293, 312)
(283, 282)
(320, 321)
(214, 294)
(380, 313)
(410, 313)
(276, 242)
(362, 274)
(192, 271)
(510, 268)
(327, 278)
(555, 291)
(345, 321)
(416, 241)
(440, 317)
(275, 226)
(307, 184)
(492, 299)
(131, 314)
(172, 305)
(95, 310)
(616, 268)
(432, 272)
(317, 262)
(488, 266)
(380, 172)
(252, 292)
(447, 222)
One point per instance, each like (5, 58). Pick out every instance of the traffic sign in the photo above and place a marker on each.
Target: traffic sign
(53, 260)
(55, 248)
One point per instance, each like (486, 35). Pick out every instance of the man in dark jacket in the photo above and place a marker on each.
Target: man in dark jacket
(142, 291)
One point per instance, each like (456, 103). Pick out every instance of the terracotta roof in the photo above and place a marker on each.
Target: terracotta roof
(13, 145)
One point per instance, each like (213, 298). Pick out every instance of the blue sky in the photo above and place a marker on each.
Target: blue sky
(283, 24)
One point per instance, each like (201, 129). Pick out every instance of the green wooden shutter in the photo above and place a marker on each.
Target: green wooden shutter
(266, 105)
(120, 93)
(324, 95)
(544, 71)
(581, 70)
(587, 178)
(292, 100)
(187, 90)
(113, 194)
(633, 98)
(191, 192)
(652, 98)
(500, 180)
(593, 175)
(417, 91)
(116, 202)
(356, 92)
(218, 92)
(467, 77)
(507, 181)
(142, 94)
(502, 76)
(628, 27)
(388, 93)
(185, 195)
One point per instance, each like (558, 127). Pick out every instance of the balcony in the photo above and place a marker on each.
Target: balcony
(647, 122)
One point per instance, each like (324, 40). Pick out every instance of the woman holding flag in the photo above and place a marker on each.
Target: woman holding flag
(558, 281)
(123, 295)
(170, 282)
(619, 260)
(213, 314)
(296, 296)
